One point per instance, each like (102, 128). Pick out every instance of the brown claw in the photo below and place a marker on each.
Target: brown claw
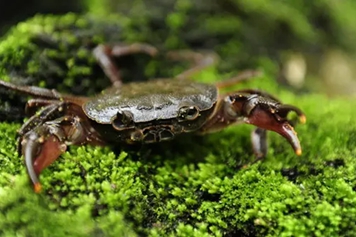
(302, 119)
(269, 120)
(288, 132)
(40, 152)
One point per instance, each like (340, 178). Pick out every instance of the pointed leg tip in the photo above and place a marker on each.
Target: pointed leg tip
(302, 119)
(298, 152)
(37, 187)
(153, 52)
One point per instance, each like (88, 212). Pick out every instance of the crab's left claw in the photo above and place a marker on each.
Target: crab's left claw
(270, 116)
(40, 148)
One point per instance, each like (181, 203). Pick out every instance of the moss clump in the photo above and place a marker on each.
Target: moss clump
(56, 50)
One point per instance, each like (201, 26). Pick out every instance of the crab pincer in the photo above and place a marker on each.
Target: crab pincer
(273, 117)
(40, 152)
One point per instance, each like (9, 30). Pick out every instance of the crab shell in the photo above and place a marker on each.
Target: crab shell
(152, 111)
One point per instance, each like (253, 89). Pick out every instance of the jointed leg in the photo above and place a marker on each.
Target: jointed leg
(259, 92)
(33, 105)
(52, 110)
(199, 60)
(31, 90)
(259, 143)
(42, 94)
(203, 60)
(104, 53)
(242, 76)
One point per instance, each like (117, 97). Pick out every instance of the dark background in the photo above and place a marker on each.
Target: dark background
(314, 40)
(14, 11)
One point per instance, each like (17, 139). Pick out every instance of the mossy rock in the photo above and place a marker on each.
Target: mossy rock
(190, 186)
(194, 187)
(56, 51)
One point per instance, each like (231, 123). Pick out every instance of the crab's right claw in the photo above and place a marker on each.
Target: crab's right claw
(40, 149)
(276, 120)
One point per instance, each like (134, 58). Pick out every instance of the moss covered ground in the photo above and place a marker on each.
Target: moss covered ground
(188, 187)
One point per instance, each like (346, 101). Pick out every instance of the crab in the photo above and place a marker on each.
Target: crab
(144, 112)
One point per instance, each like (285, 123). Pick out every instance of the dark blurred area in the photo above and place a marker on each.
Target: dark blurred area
(14, 11)
(313, 42)
(308, 45)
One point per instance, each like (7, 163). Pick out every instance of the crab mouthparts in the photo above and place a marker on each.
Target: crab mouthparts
(265, 120)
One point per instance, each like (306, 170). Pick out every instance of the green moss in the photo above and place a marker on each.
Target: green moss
(196, 188)
(188, 187)
(45, 48)
(26, 214)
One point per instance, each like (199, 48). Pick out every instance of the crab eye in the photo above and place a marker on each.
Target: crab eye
(188, 112)
(122, 120)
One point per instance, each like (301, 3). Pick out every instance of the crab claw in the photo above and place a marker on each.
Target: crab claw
(274, 119)
(40, 149)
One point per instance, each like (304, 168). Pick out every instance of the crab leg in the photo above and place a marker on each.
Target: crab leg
(242, 76)
(199, 60)
(42, 94)
(259, 92)
(259, 142)
(104, 53)
(36, 121)
(33, 105)
(31, 90)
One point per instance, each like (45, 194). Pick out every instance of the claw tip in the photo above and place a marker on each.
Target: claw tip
(298, 152)
(37, 187)
(302, 119)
